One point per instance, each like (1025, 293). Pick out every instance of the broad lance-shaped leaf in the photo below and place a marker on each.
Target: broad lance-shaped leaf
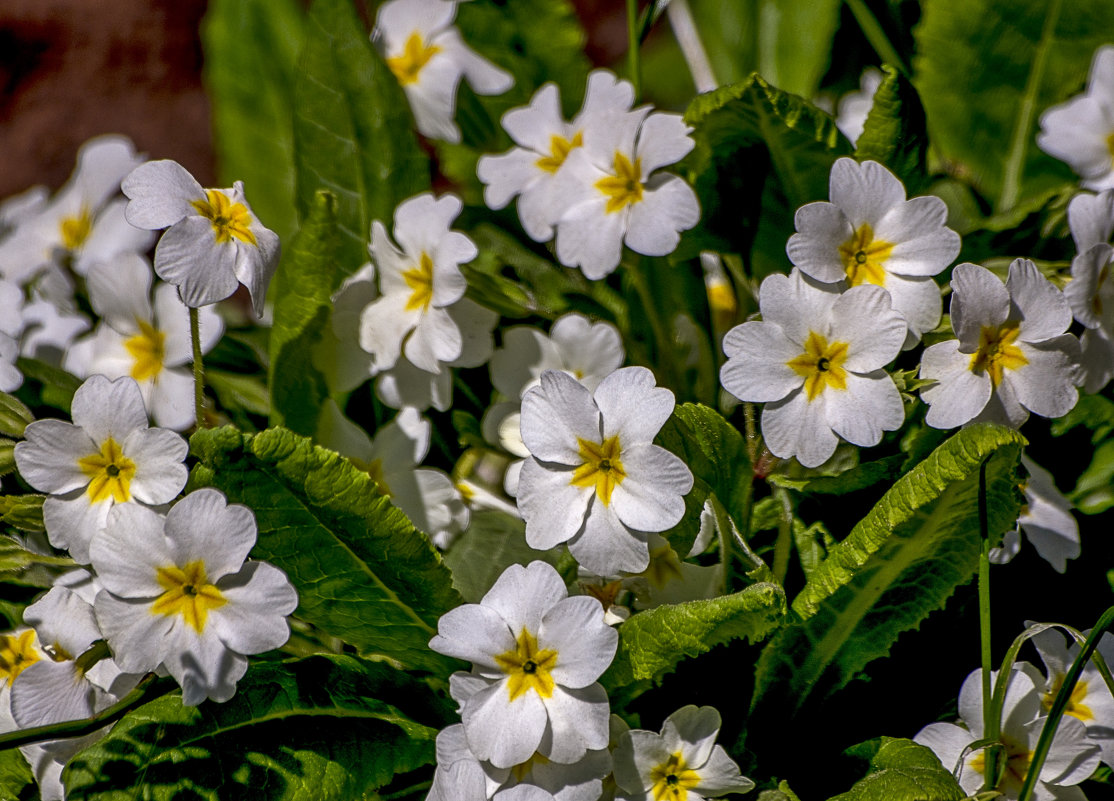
(323, 728)
(760, 154)
(652, 643)
(353, 131)
(901, 770)
(16, 780)
(362, 571)
(903, 560)
(251, 55)
(307, 276)
(1009, 62)
(894, 132)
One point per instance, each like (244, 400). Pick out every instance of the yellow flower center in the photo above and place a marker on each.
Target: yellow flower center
(624, 188)
(420, 281)
(17, 653)
(187, 593)
(415, 55)
(559, 148)
(528, 667)
(665, 566)
(997, 352)
(864, 257)
(1076, 708)
(148, 348)
(228, 219)
(110, 473)
(75, 230)
(672, 779)
(601, 469)
(1016, 757)
(821, 365)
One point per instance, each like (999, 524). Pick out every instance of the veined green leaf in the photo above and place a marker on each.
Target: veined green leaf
(903, 560)
(894, 133)
(251, 56)
(652, 643)
(353, 131)
(16, 781)
(362, 571)
(307, 277)
(760, 154)
(492, 542)
(901, 770)
(324, 728)
(1009, 62)
(713, 449)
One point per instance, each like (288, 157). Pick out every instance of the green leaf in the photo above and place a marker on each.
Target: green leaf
(307, 277)
(903, 560)
(244, 392)
(714, 450)
(16, 781)
(492, 542)
(1094, 491)
(324, 728)
(760, 154)
(15, 559)
(14, 415)
(795, 42)
(652, 643)
(24, 512)
(362, 571)
(895, 130)
(58, 386)
(1009, 62)
(859, 477)
(251, 56)
(1093, 412)
(782, 793)
(901, 770)
(353, 131)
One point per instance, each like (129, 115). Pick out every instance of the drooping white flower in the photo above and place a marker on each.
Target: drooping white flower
(682, 763)
(536, 655)
(594, 478)
(1011, 357)
(106, 457)
(178, 593)
(816, 361)
(1080, 131)
(148, 341)
(609, 193)
(870, 234)
(544, 142)
(1046, 519)
(1071, 759)
(213, 242)
(426, 53)
(1091, 289)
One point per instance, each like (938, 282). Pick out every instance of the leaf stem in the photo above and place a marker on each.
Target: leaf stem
(784, 533)
(874, 34)
(633, 69)
(990, 716)
(198, 369)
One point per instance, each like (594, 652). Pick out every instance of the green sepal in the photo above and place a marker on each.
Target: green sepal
(14, 415)
(901, 770)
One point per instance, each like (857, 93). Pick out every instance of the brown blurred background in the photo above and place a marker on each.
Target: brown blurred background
(72, 69)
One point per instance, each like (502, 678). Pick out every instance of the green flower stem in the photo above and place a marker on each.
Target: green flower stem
(784, 533)
(633, 68)
(874, 34)
(1063, 696)
(198, 369)
(991, 717)
(663, 352)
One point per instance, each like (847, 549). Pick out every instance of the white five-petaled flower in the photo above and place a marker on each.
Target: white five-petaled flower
(106, 457)
(427, 55)
(683, 763)
(1011, 357)
(178, 593)
(816, 361)
(536, 655)
(870, 234)
(1081, 131)
(594, 478)
(1091, 289)
(544, 142)
(609, 193)
(417, 283)
(1046, 519)
(213, 241)
(1071, 759)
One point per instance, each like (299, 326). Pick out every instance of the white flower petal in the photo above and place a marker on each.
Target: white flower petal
(1040, 307)
(158, 455)
(959, 394)
(651, 497)
(796, 427)
(555, 415)
(577, 723)
(501, 731)
(632, 406)
(160, 193)
(189, 257)
(585, 645)
(523, 595)
(259, 597)
(204, 526)
(605, 546)
(979, 299)
(870, 405)
(128, 553)
(552, 506)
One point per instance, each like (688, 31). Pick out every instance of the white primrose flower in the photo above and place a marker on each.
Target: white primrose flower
(425, 495)
(544, 142)
(870, 234)
(594, 478)
(19, 650)
(1091, 289)
(1071, 759)
(1090, 702)
(213, 242)
(683, 763)
(608, 193)
(148, 341)
(178, 593)
(1046, 519)
(1011, 357)
(1081, 130)
(427, 55)
(106, 457)
(536, 655)
(854, 107)
(816, 361)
